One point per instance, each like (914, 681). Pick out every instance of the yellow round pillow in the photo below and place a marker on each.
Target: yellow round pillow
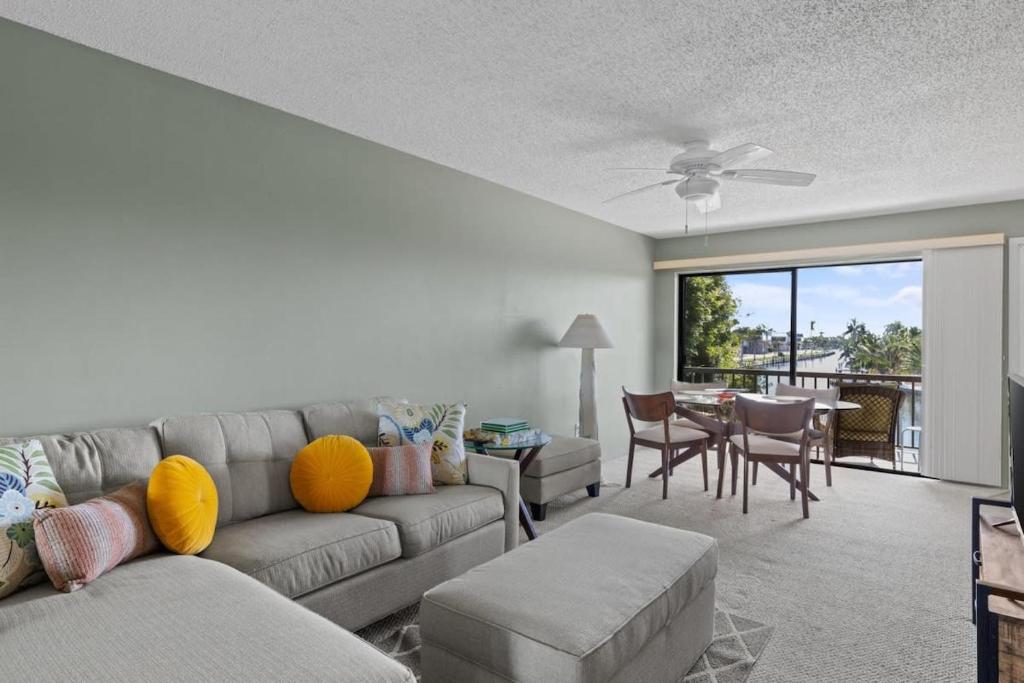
(182, 503)
(332, 474)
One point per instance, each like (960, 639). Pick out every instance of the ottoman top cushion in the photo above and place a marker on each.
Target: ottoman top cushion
(563, 453)
(576, 603)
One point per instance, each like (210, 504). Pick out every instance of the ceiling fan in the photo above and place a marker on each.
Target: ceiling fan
(698, 170)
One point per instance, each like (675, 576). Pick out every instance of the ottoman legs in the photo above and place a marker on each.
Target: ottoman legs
(594, 490)
(539, 511)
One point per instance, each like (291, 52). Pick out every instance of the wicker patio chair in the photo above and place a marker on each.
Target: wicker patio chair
(871, 431)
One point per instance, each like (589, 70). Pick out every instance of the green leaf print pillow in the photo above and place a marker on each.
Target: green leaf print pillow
(440, 424)
(26, 485)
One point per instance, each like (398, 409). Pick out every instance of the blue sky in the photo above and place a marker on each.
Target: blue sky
(875, 294)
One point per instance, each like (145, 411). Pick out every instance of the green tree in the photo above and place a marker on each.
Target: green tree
(710, 317)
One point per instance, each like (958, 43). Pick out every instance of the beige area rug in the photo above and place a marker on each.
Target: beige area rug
(729, 659)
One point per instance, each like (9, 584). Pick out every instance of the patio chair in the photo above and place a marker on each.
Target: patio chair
(666, 437)
(761, 425)
(871, 431)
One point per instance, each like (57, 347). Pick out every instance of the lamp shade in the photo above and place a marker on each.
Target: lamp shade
(586, 332)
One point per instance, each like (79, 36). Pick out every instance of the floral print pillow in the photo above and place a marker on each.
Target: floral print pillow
(439, 424)
(27, 484)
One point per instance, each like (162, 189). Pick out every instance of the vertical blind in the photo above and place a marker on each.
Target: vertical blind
(963, 365)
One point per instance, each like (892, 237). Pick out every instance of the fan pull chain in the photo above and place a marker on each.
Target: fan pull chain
(686, 209)
(706, 229)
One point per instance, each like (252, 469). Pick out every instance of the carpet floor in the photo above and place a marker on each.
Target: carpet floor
(875, 586)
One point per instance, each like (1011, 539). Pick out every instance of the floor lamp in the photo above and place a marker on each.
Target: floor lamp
(587, 333)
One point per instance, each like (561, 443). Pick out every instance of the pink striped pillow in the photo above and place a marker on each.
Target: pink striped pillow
(76, 544)
(401, 470)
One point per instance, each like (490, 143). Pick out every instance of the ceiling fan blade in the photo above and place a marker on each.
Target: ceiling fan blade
(712, 203)
(641, 189)
(663, 170)
(770, 177)
(741, 154)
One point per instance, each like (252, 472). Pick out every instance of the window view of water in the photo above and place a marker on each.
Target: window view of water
(827, 325)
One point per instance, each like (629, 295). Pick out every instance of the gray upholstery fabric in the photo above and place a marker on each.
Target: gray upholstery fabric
(563, 453)
(90, 464)
(766, 445)
(178, 618)
(296, 552)
(248, 455)
(676, 647)
(428, 520)
(548, 626)
(543, 489)
(363, 599)
(503, 475)
(666, 657)
(676, 433)
(357, 419)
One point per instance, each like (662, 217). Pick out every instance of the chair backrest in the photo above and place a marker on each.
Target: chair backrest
(773, 419)
(649, 407)
(824, 395)
(878, 415)
(680, 387)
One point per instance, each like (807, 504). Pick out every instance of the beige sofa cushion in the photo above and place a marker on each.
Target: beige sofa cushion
(90, 464)
(576, 604)
(357, 419)
(429, 520)
(178, 618)
(247, 454)
(296, 552)
(563, 453)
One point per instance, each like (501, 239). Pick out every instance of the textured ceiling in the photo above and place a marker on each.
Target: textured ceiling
(895, 105)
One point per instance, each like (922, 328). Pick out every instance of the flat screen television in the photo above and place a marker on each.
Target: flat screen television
(1016, 383)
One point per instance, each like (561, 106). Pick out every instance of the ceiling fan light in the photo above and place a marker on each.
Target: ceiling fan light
(696, 189)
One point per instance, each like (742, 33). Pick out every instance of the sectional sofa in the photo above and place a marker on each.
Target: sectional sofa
(271, 597)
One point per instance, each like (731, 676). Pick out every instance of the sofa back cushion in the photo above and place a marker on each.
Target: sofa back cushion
(247, 454)
(357, 419)
(91, 464)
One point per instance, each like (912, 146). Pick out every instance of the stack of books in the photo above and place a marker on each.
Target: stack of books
(504, 432)
(504, 425)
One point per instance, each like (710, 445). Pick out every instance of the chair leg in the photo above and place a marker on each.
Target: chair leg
(629, 464)
(594, 490)
(753, 475)
(828, 464)
(720, 448)
(664, 471)
(746, 476)
(704, 461)
(806, 467)
(734, 454)
(792, 481)
(671, 457)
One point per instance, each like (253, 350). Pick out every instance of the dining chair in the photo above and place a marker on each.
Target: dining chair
(715, 441)
(871, 431)
(821, 435)
(665, 437)
(761, 425)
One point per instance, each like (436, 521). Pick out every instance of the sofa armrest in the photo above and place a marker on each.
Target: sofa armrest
(501, 474)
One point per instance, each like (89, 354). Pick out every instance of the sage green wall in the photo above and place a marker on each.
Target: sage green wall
(1005, 217)
(167, 248)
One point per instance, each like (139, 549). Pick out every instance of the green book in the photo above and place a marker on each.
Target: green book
(504, 425)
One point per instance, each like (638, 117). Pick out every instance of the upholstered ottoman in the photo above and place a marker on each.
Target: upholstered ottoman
(566, 464)
(602, 598)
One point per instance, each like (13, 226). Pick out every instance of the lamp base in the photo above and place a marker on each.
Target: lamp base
(588, 401)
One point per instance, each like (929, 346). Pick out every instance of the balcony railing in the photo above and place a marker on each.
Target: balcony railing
(764, 380)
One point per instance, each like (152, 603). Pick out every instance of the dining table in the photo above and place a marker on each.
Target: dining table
(711, 410)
